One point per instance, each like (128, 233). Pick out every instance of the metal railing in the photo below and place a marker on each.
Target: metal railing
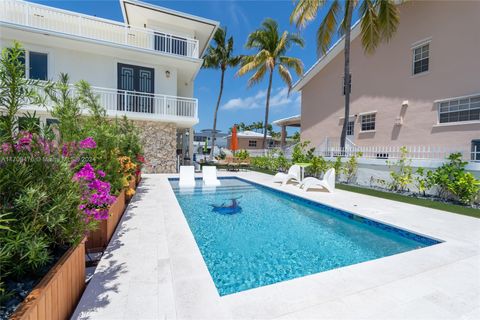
(142, 105)
(72, 23)
(155, 105)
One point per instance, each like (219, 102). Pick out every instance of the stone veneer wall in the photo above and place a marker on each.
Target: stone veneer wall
(159, 144)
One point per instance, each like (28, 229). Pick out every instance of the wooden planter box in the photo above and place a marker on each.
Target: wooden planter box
(139, 178)
(58, 293)
(98, 240)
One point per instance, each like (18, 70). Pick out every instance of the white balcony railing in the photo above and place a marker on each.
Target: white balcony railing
(155, 106)
(143, 106)
(76, 24)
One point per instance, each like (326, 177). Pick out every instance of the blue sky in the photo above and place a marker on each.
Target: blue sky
(239, 103)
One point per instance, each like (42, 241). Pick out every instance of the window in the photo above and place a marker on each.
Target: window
(252, 143)
(51, 122)
(476, 150)
(458, 110)
(38, 65)
(368, 122)
(350, 127)
(421, 58)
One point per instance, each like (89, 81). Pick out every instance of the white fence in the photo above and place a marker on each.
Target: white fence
(395, 152)
(72, 23)
(383, 152)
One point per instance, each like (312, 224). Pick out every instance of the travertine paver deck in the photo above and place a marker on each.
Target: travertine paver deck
(153, 268)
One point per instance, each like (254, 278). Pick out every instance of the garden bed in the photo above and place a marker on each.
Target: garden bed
(57, 294)
(98, 239)
(427, 201)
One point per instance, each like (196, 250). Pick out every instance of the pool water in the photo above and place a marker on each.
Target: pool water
(266, 236)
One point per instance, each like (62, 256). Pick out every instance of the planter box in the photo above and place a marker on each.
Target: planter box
(98, 240)
(58, 293)
(138, 178)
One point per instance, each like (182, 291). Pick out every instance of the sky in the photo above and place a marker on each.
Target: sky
(240, 17)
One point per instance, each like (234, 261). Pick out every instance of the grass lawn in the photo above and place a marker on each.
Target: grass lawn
(467, 211)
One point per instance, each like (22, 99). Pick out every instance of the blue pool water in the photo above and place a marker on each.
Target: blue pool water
(266, 236)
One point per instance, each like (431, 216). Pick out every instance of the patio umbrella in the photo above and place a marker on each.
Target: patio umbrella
(234, 140)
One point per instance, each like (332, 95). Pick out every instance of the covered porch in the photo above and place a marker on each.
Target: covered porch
(293, 121)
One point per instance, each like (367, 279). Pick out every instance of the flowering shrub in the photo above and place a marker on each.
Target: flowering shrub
(128, 170)
(96, 197)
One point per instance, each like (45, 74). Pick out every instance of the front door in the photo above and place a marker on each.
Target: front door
(135, 88)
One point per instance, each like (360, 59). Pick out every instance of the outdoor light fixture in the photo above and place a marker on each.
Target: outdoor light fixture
(167, 74)
(405, 103)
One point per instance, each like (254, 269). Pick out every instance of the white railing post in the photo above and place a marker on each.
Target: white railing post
(27, 15)
(125, 101)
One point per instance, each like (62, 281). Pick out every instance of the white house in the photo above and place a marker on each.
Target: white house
(144, 67)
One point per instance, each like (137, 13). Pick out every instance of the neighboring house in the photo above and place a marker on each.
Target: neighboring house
(420, 88)
(206, 135)
(144, 67)
(250, 140)
(199, 139)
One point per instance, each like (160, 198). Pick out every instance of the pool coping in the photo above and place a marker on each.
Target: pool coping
(440, 280)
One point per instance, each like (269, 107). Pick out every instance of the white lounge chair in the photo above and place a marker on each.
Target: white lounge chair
(210, 176)
(293, 174)
(328, 181)
(187, 177)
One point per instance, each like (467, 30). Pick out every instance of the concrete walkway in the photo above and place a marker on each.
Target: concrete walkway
(153, 269)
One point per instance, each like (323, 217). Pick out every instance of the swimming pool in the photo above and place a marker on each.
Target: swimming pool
(251, 235)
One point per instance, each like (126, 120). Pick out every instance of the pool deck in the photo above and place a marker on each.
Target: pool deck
(153, 269)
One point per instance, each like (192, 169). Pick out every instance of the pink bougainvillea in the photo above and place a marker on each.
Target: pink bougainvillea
(88, 143)
(96, 196)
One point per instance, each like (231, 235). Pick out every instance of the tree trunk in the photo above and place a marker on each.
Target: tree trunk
(214, 134)
(267, 106)
(346, 75)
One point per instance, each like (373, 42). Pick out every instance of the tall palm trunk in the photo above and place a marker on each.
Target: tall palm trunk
(214, 133)
(267, 106)
(346, 76)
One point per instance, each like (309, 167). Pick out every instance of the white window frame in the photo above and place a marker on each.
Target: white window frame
(449, 100)
(362, 115)
(415, 46)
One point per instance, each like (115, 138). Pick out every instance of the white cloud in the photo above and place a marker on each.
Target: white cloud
(278, 98)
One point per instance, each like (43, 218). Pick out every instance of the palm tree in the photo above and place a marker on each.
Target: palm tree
(272, 47)
(220, 57)
(379, 20)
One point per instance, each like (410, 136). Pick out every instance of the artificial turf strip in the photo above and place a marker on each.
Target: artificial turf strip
(467, 211)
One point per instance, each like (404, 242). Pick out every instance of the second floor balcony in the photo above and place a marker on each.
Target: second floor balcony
(144, 106)
(35, 16)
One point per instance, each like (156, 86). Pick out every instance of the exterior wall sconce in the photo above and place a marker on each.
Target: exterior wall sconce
(405, 103)
(167, 74)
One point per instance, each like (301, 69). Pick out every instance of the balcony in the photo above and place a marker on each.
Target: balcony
(75, 24)
(145, 106)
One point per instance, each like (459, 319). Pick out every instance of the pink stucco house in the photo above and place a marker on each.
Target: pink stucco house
(421, 88)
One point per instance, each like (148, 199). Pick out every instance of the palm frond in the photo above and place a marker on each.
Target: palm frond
(370, 33)
(305, 11)
(286, 76)
(250, 63)
(388, 18)
(327, 28)
(292, 63)
(257, 76)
